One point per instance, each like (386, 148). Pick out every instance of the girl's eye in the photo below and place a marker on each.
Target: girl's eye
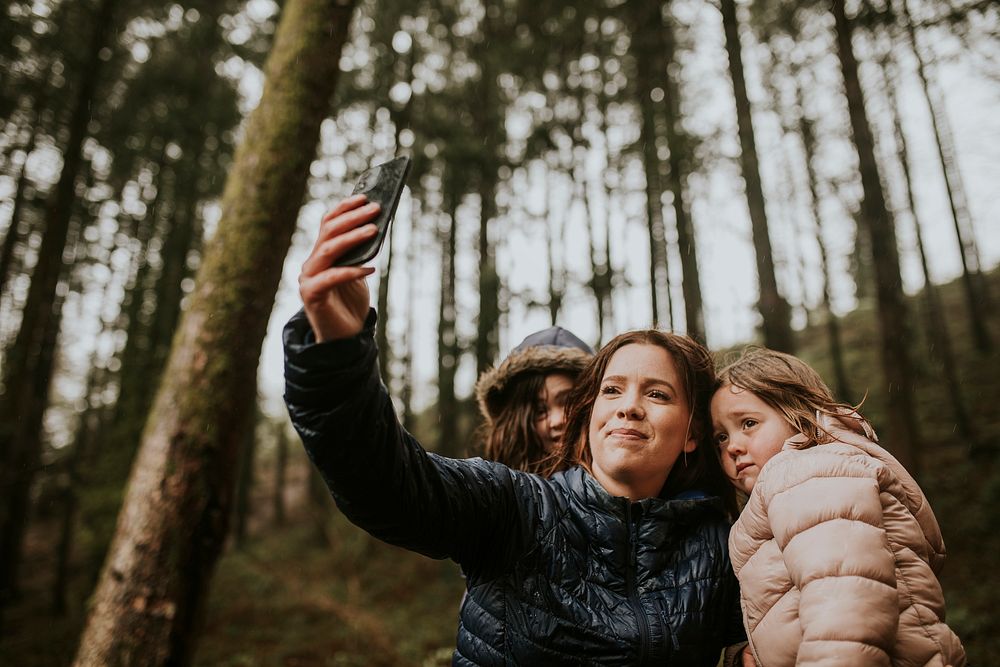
(749, 423)
(609, 389)
(720, 439)
(659, 395)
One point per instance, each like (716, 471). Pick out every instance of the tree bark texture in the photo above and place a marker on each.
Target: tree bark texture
(879, 226)
(148, 603)
(774, 309)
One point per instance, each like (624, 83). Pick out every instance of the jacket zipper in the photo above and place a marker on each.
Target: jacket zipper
(632, 584)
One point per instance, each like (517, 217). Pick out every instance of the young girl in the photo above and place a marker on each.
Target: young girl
(523, 399)
(837, 550)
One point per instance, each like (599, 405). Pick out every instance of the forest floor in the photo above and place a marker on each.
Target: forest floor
(321, 592)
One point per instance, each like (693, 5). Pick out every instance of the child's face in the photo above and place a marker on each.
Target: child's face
(550, 409)
(748, 432)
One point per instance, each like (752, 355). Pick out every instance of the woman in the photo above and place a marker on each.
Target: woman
(523, 400)
(620, 560)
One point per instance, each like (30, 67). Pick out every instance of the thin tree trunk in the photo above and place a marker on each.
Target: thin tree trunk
(877, 221)
(26, 357)
(647, 56)
(406, 388)
(677, 183)
(244, 483)
(280, 473)
(976, 295)
(832, 324)
(401, 121)
(149, 601)
(72, 481)
(486, 113)
(554, 227)
(773, 308)
(935, 321)
(447, 338)
(15, 234)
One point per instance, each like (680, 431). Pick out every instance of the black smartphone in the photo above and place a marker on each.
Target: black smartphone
(382, 184)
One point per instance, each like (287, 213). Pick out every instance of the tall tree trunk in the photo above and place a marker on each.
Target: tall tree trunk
(71, 481)
(281, 444)
(774, 309)
(604, 273)
(600, 272)
(808, 137)
(678, 161)
(245, 482)
(554, 227)
(646, 25)
(976, 295)
(401, 120)
(878, 223)
(406, 381)
(447, 338)
(15, 233)
(486, 113)
(148, 604)
(934, 316)
(26, 357)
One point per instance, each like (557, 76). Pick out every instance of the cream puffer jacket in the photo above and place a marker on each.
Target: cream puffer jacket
(837, 552)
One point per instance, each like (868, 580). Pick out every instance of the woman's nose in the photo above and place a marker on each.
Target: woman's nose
(630, 407)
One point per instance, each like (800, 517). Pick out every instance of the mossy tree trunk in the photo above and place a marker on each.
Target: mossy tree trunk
(150, 598)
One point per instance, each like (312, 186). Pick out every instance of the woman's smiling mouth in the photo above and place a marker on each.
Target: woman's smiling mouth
(627, 433)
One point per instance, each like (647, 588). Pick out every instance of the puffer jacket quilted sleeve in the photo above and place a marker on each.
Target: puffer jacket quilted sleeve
(826, 522)
(836, 553)
(379, 475)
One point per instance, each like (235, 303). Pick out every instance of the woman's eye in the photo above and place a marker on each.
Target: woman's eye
(609, 389)
(659, 395)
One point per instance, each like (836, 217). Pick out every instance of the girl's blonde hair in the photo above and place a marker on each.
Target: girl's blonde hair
(790, 386)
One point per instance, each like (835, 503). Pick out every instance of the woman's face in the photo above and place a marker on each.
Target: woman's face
(640, 422)
(550, 409)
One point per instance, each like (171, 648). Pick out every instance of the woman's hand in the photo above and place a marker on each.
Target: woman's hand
(336, 297)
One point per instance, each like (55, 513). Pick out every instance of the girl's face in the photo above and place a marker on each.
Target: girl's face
(640, 421)
(550, 409)
(748, 432)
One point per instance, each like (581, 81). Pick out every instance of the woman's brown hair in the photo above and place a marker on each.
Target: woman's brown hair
(699, 470)
(790, 386)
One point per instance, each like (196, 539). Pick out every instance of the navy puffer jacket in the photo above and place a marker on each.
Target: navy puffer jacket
(558, 571)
